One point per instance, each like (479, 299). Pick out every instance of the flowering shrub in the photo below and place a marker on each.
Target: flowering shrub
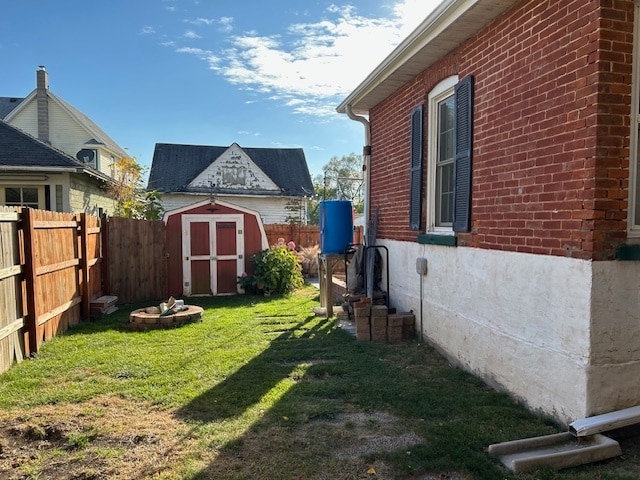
(277, 271)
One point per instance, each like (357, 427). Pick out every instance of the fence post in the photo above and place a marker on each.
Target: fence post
(84, 265)
(106, 257)
(31, 279)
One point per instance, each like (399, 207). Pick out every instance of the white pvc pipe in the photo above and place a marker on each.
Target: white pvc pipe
(605, 422)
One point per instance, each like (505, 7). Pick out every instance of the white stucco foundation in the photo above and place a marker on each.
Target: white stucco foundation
(562, 335)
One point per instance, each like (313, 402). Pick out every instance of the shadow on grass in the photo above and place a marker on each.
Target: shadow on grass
(329, 374)
(251, 382)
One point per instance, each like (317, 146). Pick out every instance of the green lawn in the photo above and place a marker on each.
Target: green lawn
(260, 389)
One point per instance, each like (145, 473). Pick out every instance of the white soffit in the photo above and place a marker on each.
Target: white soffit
(450, 24)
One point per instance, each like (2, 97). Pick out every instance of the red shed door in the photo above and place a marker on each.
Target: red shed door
(213, 254)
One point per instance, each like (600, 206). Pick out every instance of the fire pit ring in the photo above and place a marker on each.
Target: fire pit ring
(141, 320)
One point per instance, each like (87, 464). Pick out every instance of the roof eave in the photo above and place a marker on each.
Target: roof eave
(40, 169)
(448, 26)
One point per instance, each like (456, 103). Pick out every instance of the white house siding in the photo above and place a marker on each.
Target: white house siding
(64, 132)
(40, 180)
(561, 333)
(89, 197)
(271, 209)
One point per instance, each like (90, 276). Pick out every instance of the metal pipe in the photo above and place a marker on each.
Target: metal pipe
(605, 422)
(366, 154)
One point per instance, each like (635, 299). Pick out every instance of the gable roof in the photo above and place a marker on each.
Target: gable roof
(451, 23)
(175, 166)
(7, 104)
(20, 151)
(98, 136)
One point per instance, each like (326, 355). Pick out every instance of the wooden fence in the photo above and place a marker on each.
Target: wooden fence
(50, 270)
(136, 252)
(52, 265)
(12, 321)
(302, 235)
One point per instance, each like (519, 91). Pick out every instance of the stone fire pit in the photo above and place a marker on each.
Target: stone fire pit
(143, 318)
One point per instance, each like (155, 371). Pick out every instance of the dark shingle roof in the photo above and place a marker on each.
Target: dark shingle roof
(19, 149)
(7, 104)
(175, 166)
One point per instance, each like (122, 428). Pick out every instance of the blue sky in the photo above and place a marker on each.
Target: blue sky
(207, 72)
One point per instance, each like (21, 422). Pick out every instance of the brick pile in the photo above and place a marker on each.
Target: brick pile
(374, 323)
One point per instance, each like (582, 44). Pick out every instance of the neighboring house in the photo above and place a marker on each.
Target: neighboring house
(274, 182)
(504, 150)
(54, 122)
(34, 174)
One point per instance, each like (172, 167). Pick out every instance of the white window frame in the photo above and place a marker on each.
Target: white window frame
(39, 188)
(633, 227)
(443, 90)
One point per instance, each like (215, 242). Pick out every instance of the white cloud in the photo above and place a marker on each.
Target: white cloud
(226, 24)
(201, 21)
(147, 30)
(190, 34)
(311, 66)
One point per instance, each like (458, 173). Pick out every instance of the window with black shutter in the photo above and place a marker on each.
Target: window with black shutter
(415, 200)
(463, 155)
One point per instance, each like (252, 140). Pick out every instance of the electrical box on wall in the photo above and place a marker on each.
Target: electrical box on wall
(421, 266)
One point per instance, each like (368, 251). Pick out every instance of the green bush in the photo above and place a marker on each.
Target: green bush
(277, 271)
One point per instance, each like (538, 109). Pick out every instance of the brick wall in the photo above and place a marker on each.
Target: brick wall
(551, 139)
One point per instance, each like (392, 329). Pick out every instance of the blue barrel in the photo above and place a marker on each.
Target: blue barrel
(336, 226)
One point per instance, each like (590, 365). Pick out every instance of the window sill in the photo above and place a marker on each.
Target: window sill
(628, 252)
(437, 239)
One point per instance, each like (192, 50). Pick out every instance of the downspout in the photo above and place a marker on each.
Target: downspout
(366, 157)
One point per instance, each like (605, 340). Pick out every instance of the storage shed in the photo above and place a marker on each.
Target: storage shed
(208, 244)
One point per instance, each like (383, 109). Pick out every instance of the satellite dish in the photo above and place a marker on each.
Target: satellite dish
(85, 155)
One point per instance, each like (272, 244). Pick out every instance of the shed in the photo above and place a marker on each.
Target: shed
(208, 244)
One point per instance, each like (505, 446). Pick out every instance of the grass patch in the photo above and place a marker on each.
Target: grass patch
(259, 389)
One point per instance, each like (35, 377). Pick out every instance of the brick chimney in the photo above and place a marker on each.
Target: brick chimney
(42, 85)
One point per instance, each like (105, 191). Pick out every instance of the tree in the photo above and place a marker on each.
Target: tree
(342, 180)
(296, 212)
(132, 199)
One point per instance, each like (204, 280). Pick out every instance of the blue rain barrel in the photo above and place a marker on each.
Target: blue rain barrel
(336, 226)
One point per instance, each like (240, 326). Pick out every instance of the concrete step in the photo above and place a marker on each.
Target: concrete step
(560, 450)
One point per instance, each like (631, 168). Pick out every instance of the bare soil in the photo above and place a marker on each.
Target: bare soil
(112, 438)
(105, 438)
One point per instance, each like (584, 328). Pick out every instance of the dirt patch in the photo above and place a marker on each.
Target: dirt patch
(105, 438)
(112, 438)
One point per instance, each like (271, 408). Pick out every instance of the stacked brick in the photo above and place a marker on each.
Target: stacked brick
(362, 314)
(374, 323)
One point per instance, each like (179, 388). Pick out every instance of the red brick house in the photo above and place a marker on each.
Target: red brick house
(504, 149)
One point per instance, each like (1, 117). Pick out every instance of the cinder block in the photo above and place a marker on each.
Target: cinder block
(363, 329)
(394, 328)
(361, 310)
(408, 326)
(379, 329)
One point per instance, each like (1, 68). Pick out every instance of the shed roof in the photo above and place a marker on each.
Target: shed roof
(174, 166)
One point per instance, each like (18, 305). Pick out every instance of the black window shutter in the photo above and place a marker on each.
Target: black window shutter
(463, 155)
(415, 188)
